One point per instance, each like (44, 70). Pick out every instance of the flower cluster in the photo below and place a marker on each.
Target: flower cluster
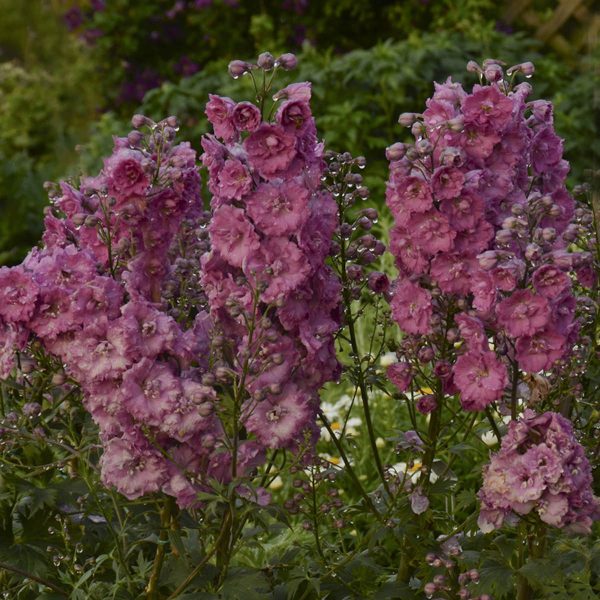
(270, 293)
(96, 296)
(482, 226)
(540, 468)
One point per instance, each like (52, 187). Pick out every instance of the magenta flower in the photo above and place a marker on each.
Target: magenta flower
(219, 111)
(546, 150)
(538, 352)
(126, 174)
(246, 116)
(487, 108)
(432, 230)
(279, 420)
(132, 466)
(295, 116)
(523, 313)
(447, 183)
(533, 471)
(18, 294)
(481, 379)
(234, 180)
(411, 307)
(233, 235)
(400, 374)
(550, 281)
(279, 208)
(270, 149)
(410, 193)
(280, 265)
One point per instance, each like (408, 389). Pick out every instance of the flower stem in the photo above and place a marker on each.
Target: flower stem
(349, 468)
(159, 557)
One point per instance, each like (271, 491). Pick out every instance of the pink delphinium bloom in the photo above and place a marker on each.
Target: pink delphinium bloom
(400, 374)
(281, 418)
(280, 265)
(411, 307)
(481, 379)
(246, 116)
(219, 112)
(447, 183)
(233, 235)
(413, 193)
(432, 230)
(18, 294)
(540, 467)
(539, 351)
(234, 180)
(270, 149)
(126, 174)
(523, 313)
(279, 209)
(550, 281)
(294, 115)
(487, 108)
(132, 466)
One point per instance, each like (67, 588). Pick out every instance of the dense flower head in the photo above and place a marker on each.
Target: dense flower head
(483, 222)
(276, 300)
(541, 468)
(98, 295)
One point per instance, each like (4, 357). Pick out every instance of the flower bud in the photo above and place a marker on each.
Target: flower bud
(424, 147)
(418, 129)
(266, 61)
(365, 223)
(379, 248)
(237, 68)
(474, 575)
(549, 234)
(407, 119)
(371, 213)
(378, 282)
(488, 259)
(135, 138)
(140, 120)
(426, 354)
(354, 272)
(430, 589)
(527, 68)
(288, 61)
(456, 123)
(493, 73)
(395, 151)
(533, 252)
(473, 67)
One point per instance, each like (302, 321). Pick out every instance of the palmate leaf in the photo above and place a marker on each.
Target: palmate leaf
(245, 584)
(497, 579)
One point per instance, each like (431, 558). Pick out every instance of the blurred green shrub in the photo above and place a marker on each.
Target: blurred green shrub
(48, 97)
(359, 95)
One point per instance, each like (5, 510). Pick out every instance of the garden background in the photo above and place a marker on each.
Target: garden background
(72, 73)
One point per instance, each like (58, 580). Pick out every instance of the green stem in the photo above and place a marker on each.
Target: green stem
(41, 580)
(349, 468)
(165, 520)
(184, 585)
(513, 392)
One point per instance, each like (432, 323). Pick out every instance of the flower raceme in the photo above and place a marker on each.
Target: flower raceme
(269, 290)
(482, 226)
(189, 380)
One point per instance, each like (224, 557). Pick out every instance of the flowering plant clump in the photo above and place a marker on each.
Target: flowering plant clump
(96, 296)
(212, 399)
(540, 467)
(270, 293)
(483, 225)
